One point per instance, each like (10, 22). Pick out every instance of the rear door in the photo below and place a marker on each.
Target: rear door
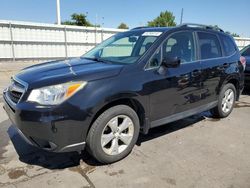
(213, 65)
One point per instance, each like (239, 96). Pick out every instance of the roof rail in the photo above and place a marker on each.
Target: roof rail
(142, 27)
(201, 26)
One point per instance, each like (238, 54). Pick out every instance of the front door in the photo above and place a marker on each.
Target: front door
(174, 90)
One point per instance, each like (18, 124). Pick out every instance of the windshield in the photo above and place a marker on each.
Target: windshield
(125, 48)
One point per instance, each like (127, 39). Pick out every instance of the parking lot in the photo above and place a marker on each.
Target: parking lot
(194, 152)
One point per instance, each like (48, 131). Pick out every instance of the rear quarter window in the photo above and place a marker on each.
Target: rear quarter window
(228, 45)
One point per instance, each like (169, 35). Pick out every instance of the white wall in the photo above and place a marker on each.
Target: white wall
(34, 41)
(242, 42)
(37, 41)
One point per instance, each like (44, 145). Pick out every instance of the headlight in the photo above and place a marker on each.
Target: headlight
(56, 94)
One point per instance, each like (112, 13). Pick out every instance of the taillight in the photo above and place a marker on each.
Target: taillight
(243, 61)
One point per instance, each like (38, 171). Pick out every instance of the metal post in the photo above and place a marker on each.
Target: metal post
(58, 11)
(95, 35)
(181, 15)
(12, 43)
(102, 34)
(65, 43)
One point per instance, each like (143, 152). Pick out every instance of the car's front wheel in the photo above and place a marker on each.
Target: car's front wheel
(113, 134)
(226, 101)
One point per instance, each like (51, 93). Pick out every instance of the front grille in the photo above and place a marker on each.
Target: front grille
(15, 91)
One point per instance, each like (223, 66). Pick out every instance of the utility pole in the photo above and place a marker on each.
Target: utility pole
(96, 17)
(102, 37)
(58, 11)
(182, 10)
(102, 21)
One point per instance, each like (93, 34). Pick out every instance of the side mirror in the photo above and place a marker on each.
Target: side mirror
(132, 39)
(171, 62)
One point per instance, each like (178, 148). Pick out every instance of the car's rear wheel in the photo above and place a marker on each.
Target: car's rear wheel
(226, 101)
(113, 134)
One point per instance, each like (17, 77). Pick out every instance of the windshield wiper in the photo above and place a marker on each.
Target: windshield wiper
(96, 59)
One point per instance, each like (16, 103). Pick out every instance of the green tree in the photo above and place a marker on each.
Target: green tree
(68, 23)
(233, 34)
(79, 20)
(165, 19)
(123, 26)
(228, 32)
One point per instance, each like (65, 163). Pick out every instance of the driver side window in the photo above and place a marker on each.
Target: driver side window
(180, 45)
(155, 60)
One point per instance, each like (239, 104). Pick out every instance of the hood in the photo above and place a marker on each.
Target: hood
(67, 70)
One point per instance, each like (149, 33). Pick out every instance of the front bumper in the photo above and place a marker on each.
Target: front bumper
(53, 129)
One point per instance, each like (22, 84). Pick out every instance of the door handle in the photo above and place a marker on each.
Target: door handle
(196, 73)
(184, 76)
(223, 67)
(226, 65)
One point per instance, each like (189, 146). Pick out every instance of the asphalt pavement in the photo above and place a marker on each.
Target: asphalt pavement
(196, 152)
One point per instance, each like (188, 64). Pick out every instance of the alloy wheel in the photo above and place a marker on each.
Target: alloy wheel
(117, 135)
(227, 101)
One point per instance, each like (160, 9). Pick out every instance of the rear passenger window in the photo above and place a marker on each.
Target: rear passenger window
(246, 51)
(228, 45)
(209, 45)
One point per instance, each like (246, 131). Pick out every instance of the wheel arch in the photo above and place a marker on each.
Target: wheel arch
(235, 81)
(236, 84)
(131, 102)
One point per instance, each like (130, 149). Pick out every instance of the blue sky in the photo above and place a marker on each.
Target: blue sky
(230, 15)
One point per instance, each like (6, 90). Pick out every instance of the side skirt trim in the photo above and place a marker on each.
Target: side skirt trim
(182, 115)
(80, 145)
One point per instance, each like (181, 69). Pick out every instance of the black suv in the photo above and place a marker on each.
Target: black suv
(245, 52)
(133, 81)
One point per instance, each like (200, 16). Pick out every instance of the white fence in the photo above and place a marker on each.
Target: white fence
(242, 42)
(33, 41)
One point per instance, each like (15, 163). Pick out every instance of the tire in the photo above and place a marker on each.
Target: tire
(220, 111)
(110, 125)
